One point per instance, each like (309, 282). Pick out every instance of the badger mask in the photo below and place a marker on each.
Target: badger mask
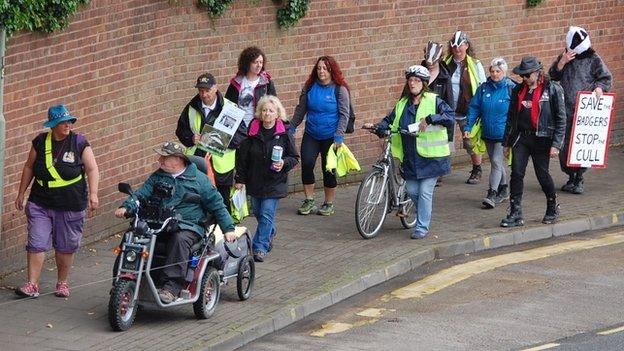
(577, 39)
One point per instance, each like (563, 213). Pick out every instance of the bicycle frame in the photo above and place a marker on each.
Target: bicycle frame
(394, 183)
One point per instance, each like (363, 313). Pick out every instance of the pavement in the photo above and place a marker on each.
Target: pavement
(316, 262)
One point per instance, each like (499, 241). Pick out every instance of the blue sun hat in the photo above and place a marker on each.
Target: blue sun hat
(58, 114)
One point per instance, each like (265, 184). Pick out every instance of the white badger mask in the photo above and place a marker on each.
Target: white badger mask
(577, 39)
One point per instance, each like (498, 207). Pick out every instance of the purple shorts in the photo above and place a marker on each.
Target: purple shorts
(47, 227)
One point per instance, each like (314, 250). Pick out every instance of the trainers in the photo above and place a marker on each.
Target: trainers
(308, 206)
(489, 201)
(28, 290)
(502, 194)
(417, 235)
(326, 210)
(475, 175)
(259, 256)
(166, 296)
(62, 289)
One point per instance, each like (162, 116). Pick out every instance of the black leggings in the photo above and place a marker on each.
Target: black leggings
(310, 148)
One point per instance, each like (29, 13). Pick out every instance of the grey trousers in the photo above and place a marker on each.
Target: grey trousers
(498, 175)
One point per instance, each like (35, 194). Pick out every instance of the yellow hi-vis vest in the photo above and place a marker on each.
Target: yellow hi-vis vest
(472, 72)
(58, 182)
(221, 164)
(433, 142)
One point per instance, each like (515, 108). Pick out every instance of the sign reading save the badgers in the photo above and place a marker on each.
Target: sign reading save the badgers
(591, 129)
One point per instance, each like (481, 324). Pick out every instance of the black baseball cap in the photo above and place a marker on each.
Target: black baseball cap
(206, 81)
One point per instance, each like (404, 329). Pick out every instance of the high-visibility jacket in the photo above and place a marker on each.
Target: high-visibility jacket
(221, 164)
(58, 182)
(433, 142)
(472, 72)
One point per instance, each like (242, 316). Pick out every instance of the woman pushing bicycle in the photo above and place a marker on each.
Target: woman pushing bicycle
(425, 154)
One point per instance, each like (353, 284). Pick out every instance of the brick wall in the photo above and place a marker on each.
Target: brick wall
(127, 68)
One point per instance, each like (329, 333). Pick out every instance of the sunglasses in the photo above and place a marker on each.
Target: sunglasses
(526, 75)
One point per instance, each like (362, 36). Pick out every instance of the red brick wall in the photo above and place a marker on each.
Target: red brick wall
(127, 68)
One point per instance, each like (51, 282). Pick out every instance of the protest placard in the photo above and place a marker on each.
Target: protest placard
(591, 129)
(216, 138)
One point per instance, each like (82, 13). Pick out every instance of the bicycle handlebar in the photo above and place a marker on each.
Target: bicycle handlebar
(388, 131)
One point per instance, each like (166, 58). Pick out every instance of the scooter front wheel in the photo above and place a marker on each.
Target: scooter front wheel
(121, 308)
(209, 293)
(245, 278)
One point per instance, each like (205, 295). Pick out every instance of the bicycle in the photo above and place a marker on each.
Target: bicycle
(381, 192)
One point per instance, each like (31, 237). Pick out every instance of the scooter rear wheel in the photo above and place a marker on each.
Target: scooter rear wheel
(209, 293)
(245, 278)
(121, 309)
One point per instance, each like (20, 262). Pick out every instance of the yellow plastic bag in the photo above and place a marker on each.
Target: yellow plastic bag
(238, 204)
(341, 161)
(332, 160)
(478, 145)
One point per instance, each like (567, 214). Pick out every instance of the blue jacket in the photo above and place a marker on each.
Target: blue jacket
(192, 180)
(491, 103)
(414, 166)
(326, 112)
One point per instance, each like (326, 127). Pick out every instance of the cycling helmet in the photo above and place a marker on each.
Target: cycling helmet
(458, 38)
(433, 52)
(417, 71)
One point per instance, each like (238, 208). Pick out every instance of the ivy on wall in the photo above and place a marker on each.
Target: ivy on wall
(39, 15)
(287, 16)
(216, 8)
(533, 3)
(292, 11)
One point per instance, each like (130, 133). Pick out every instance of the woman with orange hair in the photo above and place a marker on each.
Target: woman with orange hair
(324, 102)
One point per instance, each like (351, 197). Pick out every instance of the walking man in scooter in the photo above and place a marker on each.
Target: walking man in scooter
(176, 171)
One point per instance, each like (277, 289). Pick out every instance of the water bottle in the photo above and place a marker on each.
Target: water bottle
(276, 156)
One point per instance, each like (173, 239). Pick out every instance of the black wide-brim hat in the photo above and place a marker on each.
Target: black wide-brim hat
(527, 65)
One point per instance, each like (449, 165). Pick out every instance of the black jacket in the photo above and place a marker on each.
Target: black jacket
(441, 85)
(253, 161)
(185, 134)
(551, 122)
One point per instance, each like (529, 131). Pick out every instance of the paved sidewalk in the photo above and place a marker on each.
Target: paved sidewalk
(317, 261)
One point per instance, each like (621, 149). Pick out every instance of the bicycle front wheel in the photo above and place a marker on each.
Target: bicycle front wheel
(371, 205)
(408, 210)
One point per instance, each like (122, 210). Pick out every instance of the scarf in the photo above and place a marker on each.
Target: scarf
(535, 105)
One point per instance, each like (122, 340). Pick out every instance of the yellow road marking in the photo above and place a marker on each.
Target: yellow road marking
(542, 347)
(337, 327)
(611, 331)
(458, 273)
(487, 242)
(372, 312)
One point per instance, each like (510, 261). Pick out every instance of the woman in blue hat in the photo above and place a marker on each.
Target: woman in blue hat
(58, 162)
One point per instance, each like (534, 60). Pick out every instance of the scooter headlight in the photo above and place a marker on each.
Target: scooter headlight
(131, 256)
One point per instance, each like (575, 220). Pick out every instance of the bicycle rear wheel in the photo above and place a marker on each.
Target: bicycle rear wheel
(371, 206)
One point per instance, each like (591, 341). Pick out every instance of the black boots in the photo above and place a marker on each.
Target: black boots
(552, 210)
(574, 184)
(567, 187)
(514, 218)
(578, 184)
(490, 199)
